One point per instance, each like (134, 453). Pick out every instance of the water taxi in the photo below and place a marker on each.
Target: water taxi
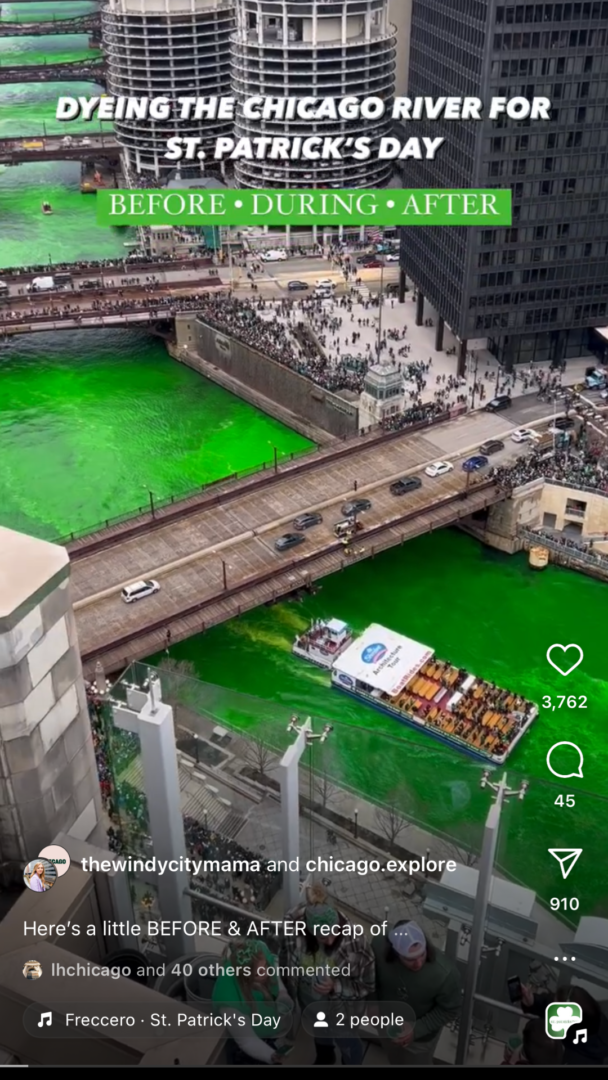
(47, 208)
(323, 642)
(403, 678)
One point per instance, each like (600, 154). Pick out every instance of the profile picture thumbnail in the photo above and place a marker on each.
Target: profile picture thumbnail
(32, 969)
(40, 875)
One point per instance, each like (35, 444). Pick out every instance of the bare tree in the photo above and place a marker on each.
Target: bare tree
(324, 791)
(463, 855)
(258, 756)
(390, 818)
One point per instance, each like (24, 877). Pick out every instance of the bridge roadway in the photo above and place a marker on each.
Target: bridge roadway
(53, 148)
(216, 558)
(111, 274)
(68, 71)
(78, 24)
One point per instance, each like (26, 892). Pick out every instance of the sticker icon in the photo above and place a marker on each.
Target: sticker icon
(561, 662)
(560, 1017)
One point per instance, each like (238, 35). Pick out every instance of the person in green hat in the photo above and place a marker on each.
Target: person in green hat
(334, 965)
(247, 985)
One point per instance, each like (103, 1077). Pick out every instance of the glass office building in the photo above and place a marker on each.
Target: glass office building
(536, 290)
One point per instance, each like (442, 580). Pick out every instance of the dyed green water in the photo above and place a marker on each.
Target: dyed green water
(45, 49)
(90, 421)
(28, 109)
(29, 237)
(44, 11)
(488, 613)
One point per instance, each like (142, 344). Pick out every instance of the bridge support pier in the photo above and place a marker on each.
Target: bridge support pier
(419, 308)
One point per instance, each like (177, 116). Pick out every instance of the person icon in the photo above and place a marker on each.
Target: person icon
(320, 1022)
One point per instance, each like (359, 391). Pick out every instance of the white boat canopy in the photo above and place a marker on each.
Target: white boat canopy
(383, 659)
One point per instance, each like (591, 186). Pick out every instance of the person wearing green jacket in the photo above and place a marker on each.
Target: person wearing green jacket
(410, 969)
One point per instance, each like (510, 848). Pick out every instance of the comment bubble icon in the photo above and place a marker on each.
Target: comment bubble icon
(577, 758)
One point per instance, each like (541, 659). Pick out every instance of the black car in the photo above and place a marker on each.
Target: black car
(492, 446)
(362, 260)
(563, 423)
(297, 286)
(497, 404)
(357, 506)
(290, 540)
(408, 483)
(307, 521)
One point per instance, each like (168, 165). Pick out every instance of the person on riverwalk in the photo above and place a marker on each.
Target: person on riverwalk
(410, 969)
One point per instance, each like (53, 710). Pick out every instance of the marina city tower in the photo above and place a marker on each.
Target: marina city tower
(167, 48)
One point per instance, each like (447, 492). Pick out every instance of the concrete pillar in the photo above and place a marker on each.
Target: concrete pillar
(48, 774)
(402, 284)
(419, 308)
(461, 370)
(439, 334)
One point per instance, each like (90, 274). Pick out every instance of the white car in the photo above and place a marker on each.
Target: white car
(440, 468)
(391, 258)
(525, 435)
(325, 283)
(139, 590)
(274, 256)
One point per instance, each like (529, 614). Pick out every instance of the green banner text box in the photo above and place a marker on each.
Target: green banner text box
(418, 206)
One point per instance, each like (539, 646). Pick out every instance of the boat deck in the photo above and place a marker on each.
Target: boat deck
(460, 706)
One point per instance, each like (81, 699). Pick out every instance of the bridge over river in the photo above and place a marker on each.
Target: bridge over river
(214, 554)
(54, 148)
(92, 70)
(78, 24)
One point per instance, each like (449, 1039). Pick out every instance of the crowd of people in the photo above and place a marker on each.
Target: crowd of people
(583, 468)
(252, 890)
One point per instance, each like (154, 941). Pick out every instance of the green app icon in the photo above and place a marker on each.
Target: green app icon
(560, 1017)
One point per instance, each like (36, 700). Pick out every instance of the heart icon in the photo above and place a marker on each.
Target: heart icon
(565, 649)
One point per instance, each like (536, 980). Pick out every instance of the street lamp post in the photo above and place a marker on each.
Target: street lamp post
(480, 910)
(196, 748)
(224, 576)
(152, 507)
(356, 830)
(276, 459)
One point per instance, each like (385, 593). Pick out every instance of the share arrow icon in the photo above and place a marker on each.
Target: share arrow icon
(567, 858)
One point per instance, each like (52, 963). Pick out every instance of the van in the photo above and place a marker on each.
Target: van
(345, 528)
(139, 590)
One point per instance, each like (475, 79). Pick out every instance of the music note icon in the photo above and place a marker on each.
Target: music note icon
(581, 1036)
(46, 1018)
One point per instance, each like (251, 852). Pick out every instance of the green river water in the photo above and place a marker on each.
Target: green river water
(91, 421)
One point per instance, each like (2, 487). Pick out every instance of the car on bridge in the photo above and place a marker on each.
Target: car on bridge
(289, 541)
(497, 404)
(405, 485)
(392, 257)
(525, 435)
(139, 590)
(307, 521)
(297, 286)
(492, 446)
(473, 464)
(325, 283)
(440, 468)
(355, 506)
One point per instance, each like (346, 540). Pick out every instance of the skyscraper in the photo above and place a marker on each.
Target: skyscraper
(319, 49)
(537, 289)
(167, 48)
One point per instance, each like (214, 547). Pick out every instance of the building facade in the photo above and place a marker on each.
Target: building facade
(535, 290)
(167, 48)
(319, 49)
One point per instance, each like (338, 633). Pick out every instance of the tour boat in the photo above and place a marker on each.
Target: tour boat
(402, 678)
(323, 642)
(47, 208)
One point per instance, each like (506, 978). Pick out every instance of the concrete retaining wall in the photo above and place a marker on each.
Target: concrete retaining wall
(263, 375)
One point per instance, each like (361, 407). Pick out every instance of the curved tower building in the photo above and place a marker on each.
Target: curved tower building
(320, 49)
(167, 48)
